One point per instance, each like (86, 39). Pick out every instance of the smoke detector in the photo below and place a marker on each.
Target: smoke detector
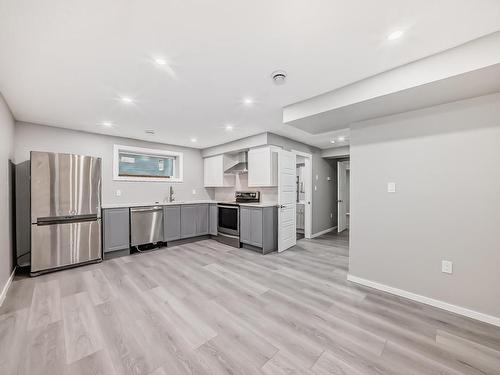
(279, 77)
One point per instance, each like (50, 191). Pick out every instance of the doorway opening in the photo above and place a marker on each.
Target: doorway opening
(294, 190)
(303, 222)
(343, 195)
(301, 196)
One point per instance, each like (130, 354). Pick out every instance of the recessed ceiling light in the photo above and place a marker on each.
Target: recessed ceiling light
(229, 127)
(107, 124)
(149, 131)
(332, 141)
(341, 139)
(127, 99)
(161, 61)
(248, 101)
(395, 35)
(194, 140)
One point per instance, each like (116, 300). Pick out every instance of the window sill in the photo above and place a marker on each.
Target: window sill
(147, 179)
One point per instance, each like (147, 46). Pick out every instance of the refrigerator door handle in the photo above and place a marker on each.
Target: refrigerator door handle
(65, 219)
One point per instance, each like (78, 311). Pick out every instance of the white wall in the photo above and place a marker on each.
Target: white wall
(445, 161)
(6, 154)
(241, 184)
(33, 137)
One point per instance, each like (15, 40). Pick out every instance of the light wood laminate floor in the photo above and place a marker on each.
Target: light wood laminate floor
(206, 308)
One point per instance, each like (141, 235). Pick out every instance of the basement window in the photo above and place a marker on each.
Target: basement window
(144, 164)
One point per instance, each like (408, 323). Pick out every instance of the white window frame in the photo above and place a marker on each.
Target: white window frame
(178, 165)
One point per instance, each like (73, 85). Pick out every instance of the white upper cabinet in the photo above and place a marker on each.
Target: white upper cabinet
(214, 172)
(263, 167)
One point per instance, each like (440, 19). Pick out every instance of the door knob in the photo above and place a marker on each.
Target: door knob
(340, 201)
(282, 206)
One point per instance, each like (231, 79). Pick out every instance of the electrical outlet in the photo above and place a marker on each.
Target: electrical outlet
(331, 215)
(391, 187)
(315, 188)
(317, 177)
(118, 193)
(194, 191)
(447, 266)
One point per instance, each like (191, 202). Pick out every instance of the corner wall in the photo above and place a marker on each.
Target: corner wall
(445, 161)
(6, 154)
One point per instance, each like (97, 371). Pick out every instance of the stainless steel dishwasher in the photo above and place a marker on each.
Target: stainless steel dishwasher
(146, 225)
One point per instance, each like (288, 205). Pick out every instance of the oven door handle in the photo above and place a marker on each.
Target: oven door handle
(227, 235)
(233, 207)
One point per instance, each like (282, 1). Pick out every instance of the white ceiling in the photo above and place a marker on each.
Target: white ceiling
(66, 63)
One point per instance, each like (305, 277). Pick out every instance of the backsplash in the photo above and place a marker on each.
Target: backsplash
(267, 194)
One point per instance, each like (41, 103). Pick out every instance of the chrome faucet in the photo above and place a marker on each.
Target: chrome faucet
(171, 196)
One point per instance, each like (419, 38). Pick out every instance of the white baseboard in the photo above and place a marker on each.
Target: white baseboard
(323, 232)
(428, 301)
(6, 287)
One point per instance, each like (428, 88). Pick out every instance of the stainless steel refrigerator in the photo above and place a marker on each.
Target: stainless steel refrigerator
(65, 210)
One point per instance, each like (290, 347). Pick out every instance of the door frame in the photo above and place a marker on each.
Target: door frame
(341, 199)
(308, 179)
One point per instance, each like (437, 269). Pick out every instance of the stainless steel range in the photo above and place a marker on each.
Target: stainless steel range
(228, 228)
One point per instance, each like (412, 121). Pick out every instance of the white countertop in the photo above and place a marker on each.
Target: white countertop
(261, 204)
(141, 204)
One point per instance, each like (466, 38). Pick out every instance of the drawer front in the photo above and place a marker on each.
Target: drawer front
(59, 245)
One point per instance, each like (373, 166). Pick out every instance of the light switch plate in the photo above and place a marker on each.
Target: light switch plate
(447, 266)
(391, 187)
(315, 188)
(194, 191)
(118, 193)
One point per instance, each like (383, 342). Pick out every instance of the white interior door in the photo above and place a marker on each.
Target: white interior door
(287, 200)
(341, 196)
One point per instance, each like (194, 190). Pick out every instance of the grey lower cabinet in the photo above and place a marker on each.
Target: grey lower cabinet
(259, 227)
(116, 229)
(172, 222)
(194, 220)
(213, 219)
(180, 221)
(202, 219)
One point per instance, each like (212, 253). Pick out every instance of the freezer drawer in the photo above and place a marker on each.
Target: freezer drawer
(64, 244)
(146, 225)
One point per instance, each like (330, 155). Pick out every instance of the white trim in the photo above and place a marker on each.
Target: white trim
(7, 286)
(428, 301)
(323, 232)
(148, 151)
(308, 197)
